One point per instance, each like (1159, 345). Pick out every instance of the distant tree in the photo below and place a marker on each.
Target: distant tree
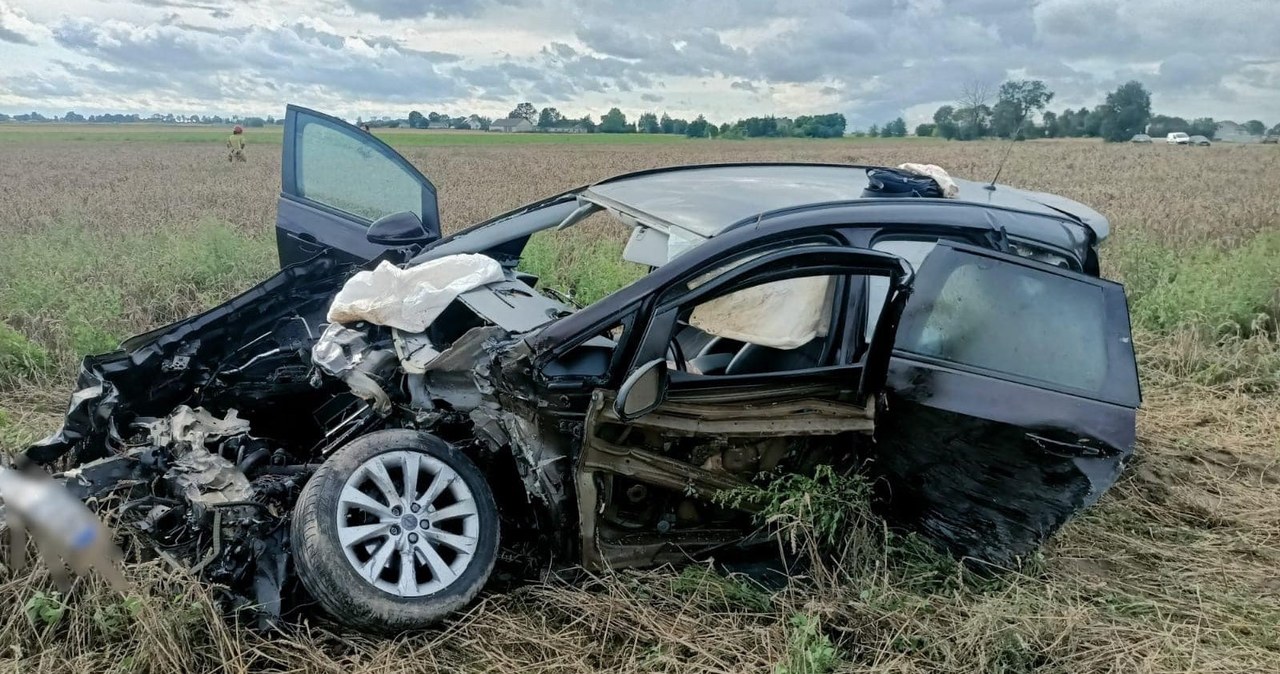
(1203, 126)
(1092, 125)
(615, 122)
(895, 129)
(874, 131)
(725, 127)
(587, 123)
(648, 123)
(416, 120)
(1016, 102)
(945, 123)
(270, 120)
(1125, 112)
(4, 117)
(1163, 125)
(1255, 127)
(925, 130)
(1051, 125)
(549, 117)
(666, 124)
(758, 127)
(73, 117)
(525, 110)
(698, 128)
(1275, 130)
(830, 125)
(1088, 121)
(255, 122)
(943, 115)
(974, 114)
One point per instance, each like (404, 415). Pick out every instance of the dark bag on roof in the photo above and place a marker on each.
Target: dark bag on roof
(883, 182)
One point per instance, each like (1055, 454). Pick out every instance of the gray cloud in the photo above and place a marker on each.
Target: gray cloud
(743, 85)
(14, 36)
(14, 26)
(1185, 70)
(192, 59)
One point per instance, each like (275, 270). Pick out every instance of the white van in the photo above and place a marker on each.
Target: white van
(1177, 138)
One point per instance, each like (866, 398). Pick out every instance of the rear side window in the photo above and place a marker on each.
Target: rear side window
(338, 170)
(1014, 319)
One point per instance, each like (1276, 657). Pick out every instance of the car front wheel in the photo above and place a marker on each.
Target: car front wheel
(395, 531)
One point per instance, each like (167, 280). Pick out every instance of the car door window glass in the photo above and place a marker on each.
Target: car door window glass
(1008, 318)
(338, 170)
(914, 251)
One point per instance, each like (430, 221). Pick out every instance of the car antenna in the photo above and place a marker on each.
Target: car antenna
(1012, 139)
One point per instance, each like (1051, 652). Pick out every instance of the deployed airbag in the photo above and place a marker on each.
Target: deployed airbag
(410, 299)
(782, 314)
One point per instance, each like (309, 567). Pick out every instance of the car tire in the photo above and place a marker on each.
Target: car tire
(332, 524)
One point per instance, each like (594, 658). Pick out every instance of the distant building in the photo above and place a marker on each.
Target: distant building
(441, 124)
(1230, 132)
(473, 122)
(572, 128)
(511, 125)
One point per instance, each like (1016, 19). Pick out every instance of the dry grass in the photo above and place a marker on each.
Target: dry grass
(1175, 570)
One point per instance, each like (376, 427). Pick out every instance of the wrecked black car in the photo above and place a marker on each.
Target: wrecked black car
(393, 410)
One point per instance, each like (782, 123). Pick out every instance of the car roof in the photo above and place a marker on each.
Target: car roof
(708, 199)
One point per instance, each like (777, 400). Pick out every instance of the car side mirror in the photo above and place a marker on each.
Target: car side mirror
(397, 229)
(644, 389)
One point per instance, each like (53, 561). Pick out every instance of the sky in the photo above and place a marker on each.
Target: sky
(872, 60)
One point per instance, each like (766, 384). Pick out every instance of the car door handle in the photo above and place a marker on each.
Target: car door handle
(307, 242)
(1071, 450)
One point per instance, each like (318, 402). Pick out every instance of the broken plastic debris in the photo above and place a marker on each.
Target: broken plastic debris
(410, 299)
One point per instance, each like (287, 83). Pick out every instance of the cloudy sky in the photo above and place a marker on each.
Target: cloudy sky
(870, 59)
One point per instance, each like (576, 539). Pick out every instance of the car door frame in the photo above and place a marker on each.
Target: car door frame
(306, 228)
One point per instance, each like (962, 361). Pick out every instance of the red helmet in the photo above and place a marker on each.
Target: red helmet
(238, 129)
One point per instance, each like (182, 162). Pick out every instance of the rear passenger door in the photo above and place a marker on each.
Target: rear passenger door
(335, 181)
(1010, 401)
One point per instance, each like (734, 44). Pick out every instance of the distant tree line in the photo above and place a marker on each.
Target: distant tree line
(1008, 111)
(1011, 113)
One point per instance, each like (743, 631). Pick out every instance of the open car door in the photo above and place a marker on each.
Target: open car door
(336, 180)
(1010, 401)
(658, 448)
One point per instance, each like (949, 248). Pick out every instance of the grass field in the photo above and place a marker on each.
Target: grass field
(270, 135)
(1173, 571)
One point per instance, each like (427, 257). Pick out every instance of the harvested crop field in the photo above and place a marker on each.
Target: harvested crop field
(1174, 570)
